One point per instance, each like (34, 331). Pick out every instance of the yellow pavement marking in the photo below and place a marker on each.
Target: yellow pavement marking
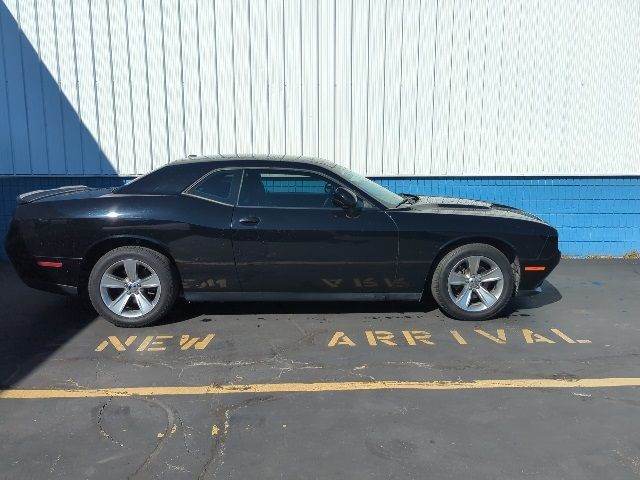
(501, 339)
(458, 337)
(562, 335)
(155, 343)
(522, 383)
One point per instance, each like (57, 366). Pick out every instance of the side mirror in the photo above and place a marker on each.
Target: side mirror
(347, 200)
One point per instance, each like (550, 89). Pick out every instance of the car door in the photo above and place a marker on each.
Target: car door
(288, 237)
(206, 250)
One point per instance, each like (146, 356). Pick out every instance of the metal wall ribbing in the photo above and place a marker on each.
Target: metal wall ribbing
(387, 87)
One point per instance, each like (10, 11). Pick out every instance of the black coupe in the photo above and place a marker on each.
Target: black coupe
(264, 228)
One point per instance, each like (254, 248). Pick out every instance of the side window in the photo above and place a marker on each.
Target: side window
(219, 186)
(285, 188)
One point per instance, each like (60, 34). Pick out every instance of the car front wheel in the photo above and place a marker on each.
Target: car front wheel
(132, 286)
(473, 282)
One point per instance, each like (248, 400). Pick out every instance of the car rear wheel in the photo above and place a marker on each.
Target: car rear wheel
(132, 286)
(473, 282)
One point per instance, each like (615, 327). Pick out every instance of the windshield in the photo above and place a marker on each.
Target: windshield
(381, 194)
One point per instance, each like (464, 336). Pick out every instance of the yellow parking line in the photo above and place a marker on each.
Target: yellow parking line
(300, 387)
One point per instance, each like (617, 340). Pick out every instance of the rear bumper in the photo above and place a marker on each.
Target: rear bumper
(61, 279)
(49, 286)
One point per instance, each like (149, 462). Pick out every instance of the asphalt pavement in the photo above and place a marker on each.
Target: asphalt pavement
(550, 390)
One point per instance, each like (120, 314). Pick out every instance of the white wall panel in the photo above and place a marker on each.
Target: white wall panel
(474, 82)
(342, 139)
(123, 104)
(376, 93)
(174, 74)
(191, 74)
(409, 88)
(505, 96)
(106, 127)
(33, 99)
(136, 26)
(157, 82)
(15, 91)
(388, 87)
(428, 30)
(6, 140)
(208, 77)
(86, 86)
(68, 82)
(259, 76)
(242, 76)
(309, 80)
(442, 89)
(458, 93)
(326, 79)
(392, 84)
(292, 78)
(276, 93)
(492, 53)
(360, 84)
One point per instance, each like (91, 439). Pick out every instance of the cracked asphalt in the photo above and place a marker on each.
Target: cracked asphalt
(235, 424)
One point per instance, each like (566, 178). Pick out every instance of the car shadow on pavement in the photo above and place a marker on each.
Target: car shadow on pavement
(532, 300)
(34, 328)
(184, 310)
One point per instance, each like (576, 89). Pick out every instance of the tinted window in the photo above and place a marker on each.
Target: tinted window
(167, 180)
(377, 191)
(285, 188)
(220, 186)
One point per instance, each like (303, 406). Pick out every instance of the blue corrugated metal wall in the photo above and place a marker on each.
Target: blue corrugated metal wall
(595, 216)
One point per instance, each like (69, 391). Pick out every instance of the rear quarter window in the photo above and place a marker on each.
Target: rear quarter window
(221, 186)
(168, 180)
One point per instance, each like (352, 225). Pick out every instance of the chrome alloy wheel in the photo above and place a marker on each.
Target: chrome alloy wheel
(130, 288)
(475, 283)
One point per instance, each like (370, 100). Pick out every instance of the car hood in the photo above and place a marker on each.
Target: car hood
(465, 206)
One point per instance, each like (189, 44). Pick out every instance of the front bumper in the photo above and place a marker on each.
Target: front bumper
(534, 272)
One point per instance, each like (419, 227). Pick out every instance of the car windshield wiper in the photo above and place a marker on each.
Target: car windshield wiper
(408, 198)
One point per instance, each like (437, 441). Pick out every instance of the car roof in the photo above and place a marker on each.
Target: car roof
(174, 177)
(264, 158)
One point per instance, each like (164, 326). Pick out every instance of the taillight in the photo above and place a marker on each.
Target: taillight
(51, 264)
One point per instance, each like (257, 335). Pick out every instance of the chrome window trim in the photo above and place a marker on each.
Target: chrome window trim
(186, 192)
(294, 169)
(342, 182)
(206, 199)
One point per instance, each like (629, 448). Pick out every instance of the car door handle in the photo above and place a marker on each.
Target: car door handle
(249, 220)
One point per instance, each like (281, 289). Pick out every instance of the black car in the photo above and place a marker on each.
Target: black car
(263, 228)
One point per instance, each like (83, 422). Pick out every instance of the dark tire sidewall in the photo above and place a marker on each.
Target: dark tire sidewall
(158, 262)
(439, 284)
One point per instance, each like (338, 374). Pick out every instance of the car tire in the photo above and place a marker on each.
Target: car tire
(132, 302)
(473, 282)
